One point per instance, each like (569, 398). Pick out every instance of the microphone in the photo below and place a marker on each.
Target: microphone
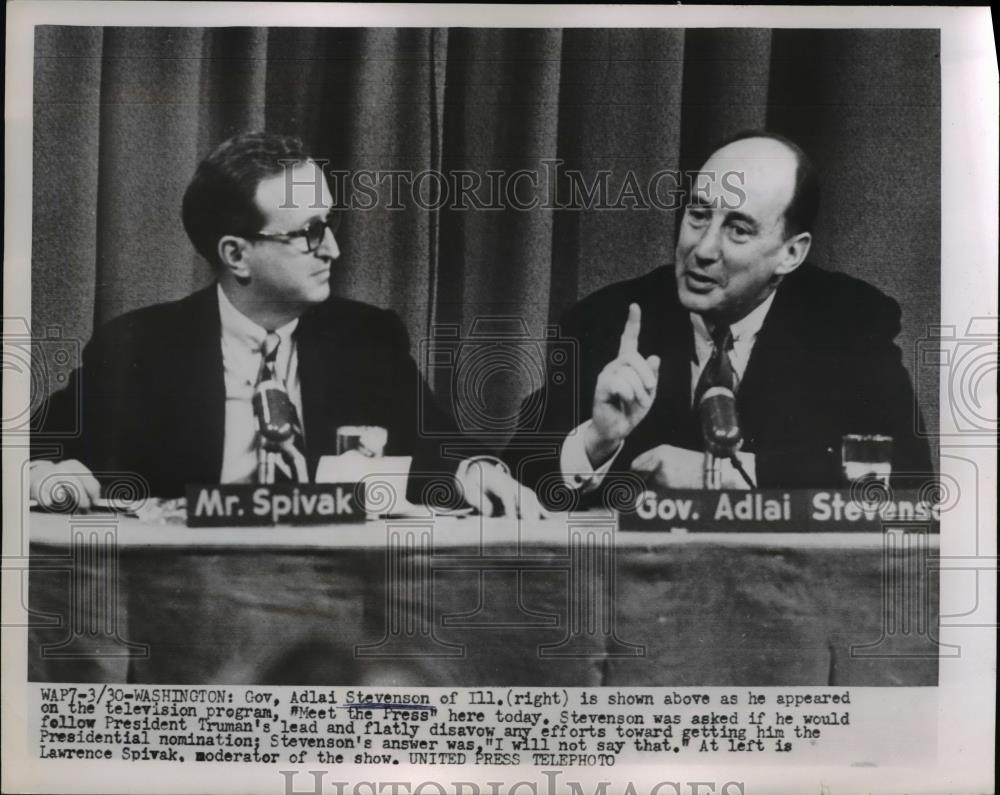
(720, 424)
(274, 411)
(277, 422)
(720, 427)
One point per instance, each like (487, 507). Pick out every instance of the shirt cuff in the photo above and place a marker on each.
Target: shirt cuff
(463, 467)
(577, 471)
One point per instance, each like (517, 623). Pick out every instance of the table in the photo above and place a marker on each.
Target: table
(572, 601)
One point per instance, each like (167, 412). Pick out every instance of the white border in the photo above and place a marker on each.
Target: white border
(969, 275)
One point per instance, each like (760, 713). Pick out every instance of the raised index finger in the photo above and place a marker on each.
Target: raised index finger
(630, 336)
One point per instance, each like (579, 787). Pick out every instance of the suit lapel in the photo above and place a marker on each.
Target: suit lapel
(202, 393)
(321, 379)
(674, 407)
(203, 390)
(766, 380)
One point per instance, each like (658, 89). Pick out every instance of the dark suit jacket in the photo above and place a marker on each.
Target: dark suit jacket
(152, 393)
(824, 365)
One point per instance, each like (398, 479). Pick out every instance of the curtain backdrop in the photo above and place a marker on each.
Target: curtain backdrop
(123, 115)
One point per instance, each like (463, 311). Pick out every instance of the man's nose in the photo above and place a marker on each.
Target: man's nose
(328, 246)
(709, 246)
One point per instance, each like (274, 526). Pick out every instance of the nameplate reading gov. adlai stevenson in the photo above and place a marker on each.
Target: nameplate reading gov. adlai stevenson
(794, 510)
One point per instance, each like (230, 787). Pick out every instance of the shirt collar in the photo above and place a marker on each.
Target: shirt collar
(243, 330)
(744, 330)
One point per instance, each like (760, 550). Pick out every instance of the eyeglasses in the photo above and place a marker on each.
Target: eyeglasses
(314, 232)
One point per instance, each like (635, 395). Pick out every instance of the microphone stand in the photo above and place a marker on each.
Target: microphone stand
(269, 457)
(298, 460)
(738, 466)
(265, 466)
(712, 471)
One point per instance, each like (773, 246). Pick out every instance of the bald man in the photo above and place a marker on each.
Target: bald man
(808, 353)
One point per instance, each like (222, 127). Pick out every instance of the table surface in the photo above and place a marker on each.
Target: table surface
(448, 531)
(568, 601)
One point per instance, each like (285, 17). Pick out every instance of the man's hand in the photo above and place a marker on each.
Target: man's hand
(63, 485)
(624, 394)
(670, 467)
(483, 480)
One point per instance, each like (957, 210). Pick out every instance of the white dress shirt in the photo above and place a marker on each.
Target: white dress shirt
(241, 361)
(576, 468)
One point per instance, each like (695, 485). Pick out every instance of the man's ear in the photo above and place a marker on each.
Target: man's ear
(232, 254)
(794, 253)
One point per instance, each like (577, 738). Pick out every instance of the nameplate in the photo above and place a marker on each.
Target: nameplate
(287, 503)
(789, 511)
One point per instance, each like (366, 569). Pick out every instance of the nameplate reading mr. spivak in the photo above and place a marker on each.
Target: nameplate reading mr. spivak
(234, 505)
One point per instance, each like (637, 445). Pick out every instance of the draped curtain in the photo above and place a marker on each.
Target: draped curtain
(123, 115)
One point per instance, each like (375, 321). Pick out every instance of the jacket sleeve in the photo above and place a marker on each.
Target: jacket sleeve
(857, 384)
(886, 396)
(72, 422)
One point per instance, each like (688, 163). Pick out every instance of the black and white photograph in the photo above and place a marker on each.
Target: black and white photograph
(492, 397)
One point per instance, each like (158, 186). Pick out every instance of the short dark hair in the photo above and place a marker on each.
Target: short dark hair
(802, 209)
(220, 200)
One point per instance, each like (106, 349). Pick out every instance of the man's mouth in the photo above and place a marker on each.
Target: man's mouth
(698, 282)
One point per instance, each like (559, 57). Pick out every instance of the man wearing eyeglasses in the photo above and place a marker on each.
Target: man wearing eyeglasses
(168, 391)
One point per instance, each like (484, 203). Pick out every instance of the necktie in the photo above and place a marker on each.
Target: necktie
(719, 423)
(269, 357)
(280, 439)
(719, 370)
